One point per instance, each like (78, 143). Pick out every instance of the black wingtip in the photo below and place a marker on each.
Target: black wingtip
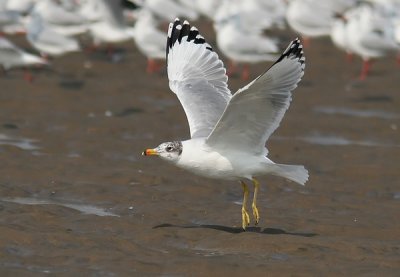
(184, 31)
(177, 31)
(172, 34)
(295, 49)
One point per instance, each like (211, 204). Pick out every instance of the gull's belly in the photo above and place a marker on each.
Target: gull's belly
(214, 165)
(210, 165)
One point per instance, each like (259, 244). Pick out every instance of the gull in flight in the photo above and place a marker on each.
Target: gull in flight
(228, 132)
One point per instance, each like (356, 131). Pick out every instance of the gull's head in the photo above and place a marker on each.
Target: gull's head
(169, 151)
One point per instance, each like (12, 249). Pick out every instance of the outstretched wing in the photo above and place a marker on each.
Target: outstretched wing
(197, 76)
(256, 110)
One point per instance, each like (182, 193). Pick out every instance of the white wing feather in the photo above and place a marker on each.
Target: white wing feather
(256, 110)
(197, 76)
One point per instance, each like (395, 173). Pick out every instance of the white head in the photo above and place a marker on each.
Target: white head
(169, 151)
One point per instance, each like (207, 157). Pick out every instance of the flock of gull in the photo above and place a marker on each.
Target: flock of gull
(368, 29)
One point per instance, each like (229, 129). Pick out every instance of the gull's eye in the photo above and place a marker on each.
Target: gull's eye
(169, 148)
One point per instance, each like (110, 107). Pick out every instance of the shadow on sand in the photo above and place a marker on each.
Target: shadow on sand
(237, 230)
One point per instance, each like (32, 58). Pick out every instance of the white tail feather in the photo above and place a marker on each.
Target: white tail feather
(295, 173)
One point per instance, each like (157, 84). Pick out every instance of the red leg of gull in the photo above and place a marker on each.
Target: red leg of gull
(246, 72)
(398, 59)
(232, 68)
(349, 57)
(28, 76)
(365, 69)
(21, 33)
(91, 48)
(306, 41)
(153, 66)
(45, 56)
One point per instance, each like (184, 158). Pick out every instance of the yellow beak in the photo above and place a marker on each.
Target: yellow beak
(150, 152)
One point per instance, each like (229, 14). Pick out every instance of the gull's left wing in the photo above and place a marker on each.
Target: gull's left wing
(197, 76)
(256, 110)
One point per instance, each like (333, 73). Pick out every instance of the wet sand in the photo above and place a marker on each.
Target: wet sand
(76, 197)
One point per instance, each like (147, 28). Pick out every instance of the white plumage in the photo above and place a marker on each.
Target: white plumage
(111, 27)
(198, 78)
(168, 9)
(48, 41)
(242, 46)
(149, 40)
(222, 124)
(339, 35)
(313, 18)
(61, 20)
(370, 35)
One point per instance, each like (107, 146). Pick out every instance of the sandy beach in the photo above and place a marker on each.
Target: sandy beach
(77, 197)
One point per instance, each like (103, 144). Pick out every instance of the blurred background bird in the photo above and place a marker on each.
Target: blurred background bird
(246, 32)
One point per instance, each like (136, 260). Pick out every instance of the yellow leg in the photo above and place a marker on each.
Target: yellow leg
(254, 204)
(245, 215)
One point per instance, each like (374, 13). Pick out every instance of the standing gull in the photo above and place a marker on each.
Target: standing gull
(111, 27)
(60, 19)
(253, 47)
(228, 133)
(371, 36)
(312, 18)
(46, 40)
(149, 40)
(12, 56)
(241, 21)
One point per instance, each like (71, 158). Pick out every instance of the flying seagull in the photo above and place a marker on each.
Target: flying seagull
(228, 132)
